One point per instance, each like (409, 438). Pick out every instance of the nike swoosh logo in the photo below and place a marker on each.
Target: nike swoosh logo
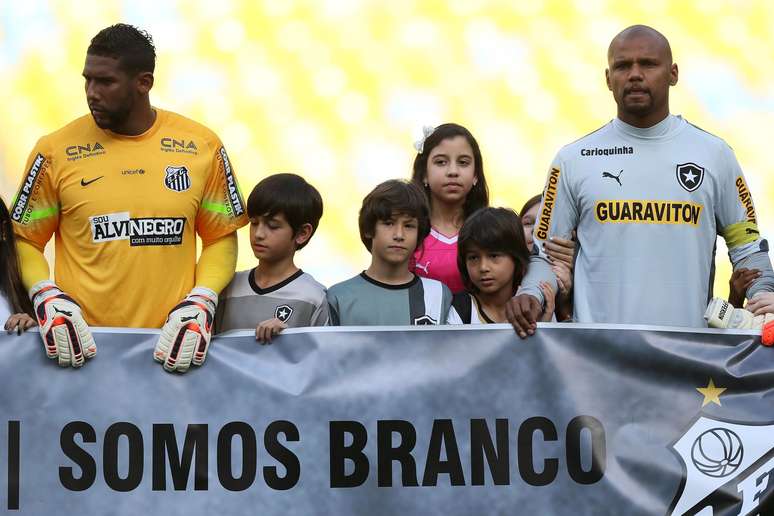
(87, 183)
(186, 319)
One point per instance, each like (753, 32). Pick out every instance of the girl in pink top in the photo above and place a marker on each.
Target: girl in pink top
(450, 170)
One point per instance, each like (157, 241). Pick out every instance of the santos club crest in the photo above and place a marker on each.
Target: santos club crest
(690, 176)
(728, 469)
(177, 179)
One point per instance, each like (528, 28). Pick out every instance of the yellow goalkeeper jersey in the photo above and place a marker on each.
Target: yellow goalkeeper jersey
(125, 211)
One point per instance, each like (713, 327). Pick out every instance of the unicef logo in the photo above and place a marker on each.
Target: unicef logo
(717, 452)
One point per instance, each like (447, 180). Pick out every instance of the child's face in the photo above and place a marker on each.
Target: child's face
(490, 271)
(528, 221)
(395, 239)
(451, 170)
(271, 238)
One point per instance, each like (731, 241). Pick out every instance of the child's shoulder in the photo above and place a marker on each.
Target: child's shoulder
(239, 286)
(309, 287)
(355, 282)
(433, 284)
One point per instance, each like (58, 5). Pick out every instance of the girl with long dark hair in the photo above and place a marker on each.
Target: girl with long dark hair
(450, 171)
(15, 306)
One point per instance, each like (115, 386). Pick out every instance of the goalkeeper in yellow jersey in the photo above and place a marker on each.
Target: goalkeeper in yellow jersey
(125, 190)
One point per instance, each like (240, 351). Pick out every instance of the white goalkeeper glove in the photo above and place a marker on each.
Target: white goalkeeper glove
(720, 314)
(185, 337)
(65, 334)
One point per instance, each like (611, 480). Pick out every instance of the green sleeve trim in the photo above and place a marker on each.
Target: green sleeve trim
(215, 206)
(43, 213)
(740, 233)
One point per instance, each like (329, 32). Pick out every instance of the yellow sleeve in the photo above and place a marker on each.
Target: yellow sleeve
(35, 209)
(217, 263)
(222, 210)
(34, 267)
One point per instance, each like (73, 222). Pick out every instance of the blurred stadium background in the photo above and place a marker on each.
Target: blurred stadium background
(338, 90)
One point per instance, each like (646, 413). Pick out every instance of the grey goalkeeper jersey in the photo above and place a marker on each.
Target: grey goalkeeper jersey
(298, 301)
(648, 205)
(364, 301)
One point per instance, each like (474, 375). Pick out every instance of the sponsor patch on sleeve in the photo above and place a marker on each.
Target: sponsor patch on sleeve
(746, 199)
(19, 210)
(233, 196)
(549, 199)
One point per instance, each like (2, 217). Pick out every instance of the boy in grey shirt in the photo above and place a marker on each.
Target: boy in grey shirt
(394, 218)
(284, 211)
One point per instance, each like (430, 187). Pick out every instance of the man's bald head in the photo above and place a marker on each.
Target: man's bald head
(636, 31)
(640, 72)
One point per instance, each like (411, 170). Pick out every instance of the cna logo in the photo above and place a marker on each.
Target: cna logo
(179, 146)
(76, 152)
(728, 469)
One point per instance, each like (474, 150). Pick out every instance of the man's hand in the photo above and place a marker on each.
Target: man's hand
(740, 281)
(560, 250)
(761, 303)
(65, 334)
(19, 323)
(185, 337)
(522, 312)
(268, 329)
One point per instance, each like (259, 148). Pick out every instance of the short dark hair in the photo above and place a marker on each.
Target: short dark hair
(132, 47)
(11, 286)
(393, 197)
(535, 199)
(478, 197)
(290, 195)
(493, 229)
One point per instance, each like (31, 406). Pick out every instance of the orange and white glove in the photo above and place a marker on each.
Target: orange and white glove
(185, 337)
(721, 314)
(65, 334)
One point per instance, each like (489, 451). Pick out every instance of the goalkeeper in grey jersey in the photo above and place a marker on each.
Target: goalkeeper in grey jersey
(648, 193)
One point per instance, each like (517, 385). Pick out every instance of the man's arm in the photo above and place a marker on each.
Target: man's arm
(738, 224)
(217, 263)
(539, 270)
(35, 215)
(185, 336)
(34, 267)
(557, 216)
(758, 260)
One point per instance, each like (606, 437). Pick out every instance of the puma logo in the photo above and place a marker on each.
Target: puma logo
(611, 176)
(423, 267)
